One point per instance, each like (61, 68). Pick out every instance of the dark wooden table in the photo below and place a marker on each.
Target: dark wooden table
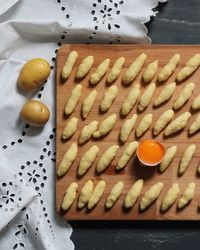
(178, 22)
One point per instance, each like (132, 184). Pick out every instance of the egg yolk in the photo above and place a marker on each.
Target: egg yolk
(150, 151)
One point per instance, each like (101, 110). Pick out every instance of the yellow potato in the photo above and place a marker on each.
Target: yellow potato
(33, 74)
(35, 113)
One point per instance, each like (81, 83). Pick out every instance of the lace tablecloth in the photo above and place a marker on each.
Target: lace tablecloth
(27, 155)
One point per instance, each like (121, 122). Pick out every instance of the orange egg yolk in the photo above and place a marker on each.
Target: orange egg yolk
(150, 151)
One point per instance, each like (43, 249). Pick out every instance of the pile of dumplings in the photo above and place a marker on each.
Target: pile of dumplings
(167, 122)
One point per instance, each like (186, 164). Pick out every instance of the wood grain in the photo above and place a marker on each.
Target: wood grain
(133, 171)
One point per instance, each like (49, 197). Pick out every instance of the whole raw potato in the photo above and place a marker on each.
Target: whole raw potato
(35, 113)
(33, 74)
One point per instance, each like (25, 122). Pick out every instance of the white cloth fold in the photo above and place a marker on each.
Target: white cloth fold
(38, 28)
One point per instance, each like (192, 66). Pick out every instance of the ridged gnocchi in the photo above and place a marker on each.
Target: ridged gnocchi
(144, 124)
(105, 126)
(88, 103)
(146, 97)
(73, 99)
(87, 132)
(106, 158)
(150, 71)
(133, 194)
(196, 103)
(151, 195)
(69, 64)
(67, 160)
(168, 158)
(85, 194)
(177, 124)
(87, 159)
(191, 66)
(170, 197)
(114, 194)
(134, 69)
(187, 195)
(195, 126)
(184, 95)
(108, 98)
(186, 158)
(169, 68)
(130, 100)
(127, 127)
(70, 128)
(165, 94)
(100, 71)
(116, 70)
(84, 67)
(162, 121)
(96, 194)
(126, 155)
(70, 195)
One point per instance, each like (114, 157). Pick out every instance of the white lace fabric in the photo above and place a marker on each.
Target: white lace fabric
(29, 29)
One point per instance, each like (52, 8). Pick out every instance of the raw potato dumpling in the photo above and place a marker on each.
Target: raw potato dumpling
(69, 64)
(134, 69)
(169, 68)
(186, 158)
(88, 103)
(195, 125)
(150, 71)
(97, 194)
(84, 67)
(127, 127)
(187, 195)
(162, 121)
(116, 70)
(170, 197)
(87, 132)
(133, 194)
(68, 159)
(100, 71)
(196, 103)
(144, 125)
(70, 195)
(85, 194)
(73, 99)
(106, 126)
(70, 128)
(127, 154)
(114, 194)
(165, 94)
(33, 74)
(35, 113)
(108, 98)
(107, 158)
(146, 97)
(87, 159)
(192, 65)
(168, 158)
(184, 95)
(177, 124)
(151, 195)
(130, 100)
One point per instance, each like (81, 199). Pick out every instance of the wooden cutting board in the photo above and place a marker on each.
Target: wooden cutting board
(133, 171)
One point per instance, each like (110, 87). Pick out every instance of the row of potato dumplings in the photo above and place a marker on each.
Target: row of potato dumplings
(133, 70)
(90, 195)
(109, 154)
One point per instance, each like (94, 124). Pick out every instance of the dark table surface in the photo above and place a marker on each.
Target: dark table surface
(178, 22)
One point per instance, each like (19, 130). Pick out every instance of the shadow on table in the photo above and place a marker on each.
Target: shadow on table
(174, 225)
